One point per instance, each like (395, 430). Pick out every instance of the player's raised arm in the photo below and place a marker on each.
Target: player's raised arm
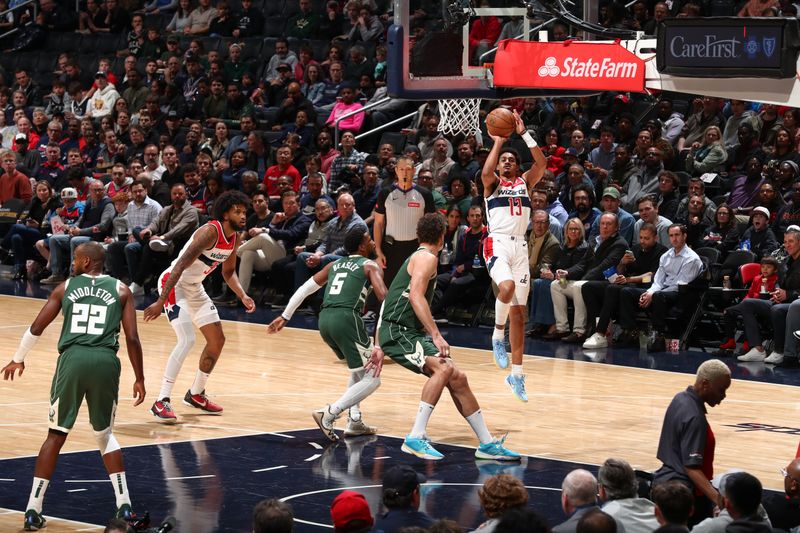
(132, 342)
(312, 285)
(46, 315)
(535, 173)
(203, 239)
(488, 174)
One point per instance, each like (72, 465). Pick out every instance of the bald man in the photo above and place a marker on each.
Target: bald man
(784, 509)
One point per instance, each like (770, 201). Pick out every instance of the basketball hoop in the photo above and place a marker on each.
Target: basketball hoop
(459, 116)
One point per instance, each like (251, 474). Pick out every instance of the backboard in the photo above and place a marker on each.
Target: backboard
(431, 57)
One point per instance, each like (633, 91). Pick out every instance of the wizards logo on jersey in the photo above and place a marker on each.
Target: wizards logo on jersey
(172, 309)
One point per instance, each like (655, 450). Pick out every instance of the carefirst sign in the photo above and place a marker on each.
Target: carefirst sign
(728, 47)
(568, 65)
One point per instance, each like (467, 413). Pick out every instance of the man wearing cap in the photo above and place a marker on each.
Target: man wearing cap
(350, 513)
(610, 203)
(759, 237)
(678, 266)
(104, 98)
(401, 497)
(13, 183)
(754, 311)
(94, 224)
(191, 87)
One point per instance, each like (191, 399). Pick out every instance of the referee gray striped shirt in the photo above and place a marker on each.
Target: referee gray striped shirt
(403, 209)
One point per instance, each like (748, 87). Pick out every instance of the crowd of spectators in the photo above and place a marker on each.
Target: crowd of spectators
(132, 147)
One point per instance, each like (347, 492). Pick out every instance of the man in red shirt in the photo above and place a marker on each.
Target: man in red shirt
(13, 183)
(283, 168)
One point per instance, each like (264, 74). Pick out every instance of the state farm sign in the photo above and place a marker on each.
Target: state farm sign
(572, 65)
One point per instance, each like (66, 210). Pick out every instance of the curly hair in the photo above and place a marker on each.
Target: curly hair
(501, 493)
(430, 228)
(227, 200)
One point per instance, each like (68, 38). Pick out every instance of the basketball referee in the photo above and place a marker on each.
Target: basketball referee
(397, 212)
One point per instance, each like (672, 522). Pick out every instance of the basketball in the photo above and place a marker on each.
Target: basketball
(501, 122)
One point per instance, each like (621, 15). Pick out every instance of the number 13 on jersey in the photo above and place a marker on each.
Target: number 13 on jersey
(515, 204)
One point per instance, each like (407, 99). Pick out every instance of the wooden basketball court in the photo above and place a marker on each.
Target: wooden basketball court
(578, 411)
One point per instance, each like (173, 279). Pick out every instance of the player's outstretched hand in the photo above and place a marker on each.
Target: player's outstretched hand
(138, 392)
(375, 362)
(498, 139)
(11, 368)
(249, 304)
(153, 311)
(520, 125)
(276, 325)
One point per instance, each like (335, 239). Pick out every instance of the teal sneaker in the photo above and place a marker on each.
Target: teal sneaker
(421, 448)
(34, 521)
(495, 451)
(500, 354)
(517, 385)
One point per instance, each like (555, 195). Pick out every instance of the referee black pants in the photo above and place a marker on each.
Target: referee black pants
(396, 253)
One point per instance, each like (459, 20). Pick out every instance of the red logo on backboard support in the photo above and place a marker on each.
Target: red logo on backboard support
(573, 65)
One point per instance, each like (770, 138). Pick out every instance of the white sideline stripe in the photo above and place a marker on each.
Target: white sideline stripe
(77, 490)
(313, 457)
(189, 477)
(315, 445)
(269, 468)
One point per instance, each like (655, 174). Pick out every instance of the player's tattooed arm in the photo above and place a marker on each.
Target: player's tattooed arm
(203, 240)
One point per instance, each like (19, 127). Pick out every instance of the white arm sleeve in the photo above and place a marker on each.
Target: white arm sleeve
(306, 289)
(27, 342)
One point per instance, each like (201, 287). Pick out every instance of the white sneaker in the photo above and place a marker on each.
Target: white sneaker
(136, 289)
(598, 340)
(754, 355)
(356, 428)
(157, 245)
(775, 358)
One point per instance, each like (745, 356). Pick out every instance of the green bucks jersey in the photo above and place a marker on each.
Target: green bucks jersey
(397, 307)
(92, 313)
(347, 284)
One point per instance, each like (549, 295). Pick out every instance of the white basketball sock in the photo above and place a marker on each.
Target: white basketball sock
(516, 370)
(120, 485)
(421, 421)
(37, 494)
(199, 384)
(478, 425)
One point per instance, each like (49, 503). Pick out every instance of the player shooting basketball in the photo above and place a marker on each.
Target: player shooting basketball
(506, 191)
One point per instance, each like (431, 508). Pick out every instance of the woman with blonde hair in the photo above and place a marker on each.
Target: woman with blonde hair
(710, 156)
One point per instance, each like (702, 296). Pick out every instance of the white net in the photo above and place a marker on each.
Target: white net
(459, 116)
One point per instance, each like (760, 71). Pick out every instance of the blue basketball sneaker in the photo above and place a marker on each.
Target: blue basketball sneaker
(34, 521)
(421, 448)
(500, 354)
(495, 451)
(517, 384)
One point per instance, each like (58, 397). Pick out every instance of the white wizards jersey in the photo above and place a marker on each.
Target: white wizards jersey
(508, 208)
(208, 259)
